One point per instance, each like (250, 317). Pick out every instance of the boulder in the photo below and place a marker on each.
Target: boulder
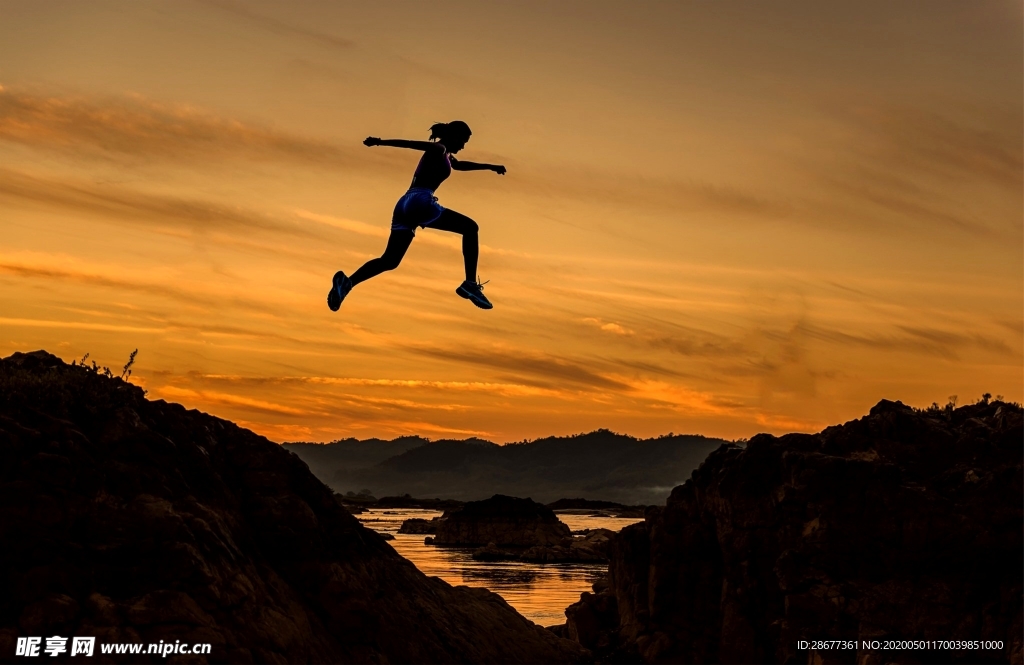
(595, 540)
(588, 549)
(492, 552)
(503, 520)
(418, 525)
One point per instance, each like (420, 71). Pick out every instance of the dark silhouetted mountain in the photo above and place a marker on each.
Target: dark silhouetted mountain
(902, 525)
(599, 465)
(324, 458)
(139, 521)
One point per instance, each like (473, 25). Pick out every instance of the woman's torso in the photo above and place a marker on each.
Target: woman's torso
(433, 169)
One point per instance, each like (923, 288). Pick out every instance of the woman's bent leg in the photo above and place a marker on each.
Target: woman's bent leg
(398, 243)
(459, 223)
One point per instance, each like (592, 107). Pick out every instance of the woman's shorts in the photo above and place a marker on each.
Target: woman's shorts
(418, 207)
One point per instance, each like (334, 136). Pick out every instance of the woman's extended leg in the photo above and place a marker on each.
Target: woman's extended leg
(459, 223)
(398, 243)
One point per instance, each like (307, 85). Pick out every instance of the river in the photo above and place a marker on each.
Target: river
(538, 591)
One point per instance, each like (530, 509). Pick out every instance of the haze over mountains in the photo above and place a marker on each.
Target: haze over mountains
(599, 465)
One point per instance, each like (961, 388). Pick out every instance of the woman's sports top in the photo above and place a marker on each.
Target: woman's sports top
(433, 169)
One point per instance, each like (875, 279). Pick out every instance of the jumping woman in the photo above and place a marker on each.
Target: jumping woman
(419, 207)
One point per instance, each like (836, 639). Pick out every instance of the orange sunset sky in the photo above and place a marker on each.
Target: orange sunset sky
(719, 217)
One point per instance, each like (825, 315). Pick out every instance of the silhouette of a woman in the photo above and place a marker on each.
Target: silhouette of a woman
(419, 207)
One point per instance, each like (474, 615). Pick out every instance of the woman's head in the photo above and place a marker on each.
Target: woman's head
(452, 134)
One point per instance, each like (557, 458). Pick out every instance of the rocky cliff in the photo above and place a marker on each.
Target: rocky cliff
(138, 521)
(903, 525)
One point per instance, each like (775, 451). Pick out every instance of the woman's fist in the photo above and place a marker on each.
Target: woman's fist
(500, 170)
(371, 141)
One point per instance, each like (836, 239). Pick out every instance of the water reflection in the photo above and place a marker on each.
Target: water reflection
(538, 591)
(495, 578)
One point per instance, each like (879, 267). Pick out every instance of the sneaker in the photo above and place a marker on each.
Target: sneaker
(475, 292)
(342, 285)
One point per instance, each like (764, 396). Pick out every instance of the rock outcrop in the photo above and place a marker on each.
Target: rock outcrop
(504, 521)
(594, 621)
(419, 525)
(903, 525)
(138, 521)
(588, 548)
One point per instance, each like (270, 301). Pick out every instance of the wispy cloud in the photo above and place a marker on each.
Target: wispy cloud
(282, 28)
(157, 283)
(874, 188)
(628, 191)
(926, 140)
(926, 170)
(111, 202)
(649, 368)
(955, 339)
(350, 225)
(689, 346)
(928, 341)
(146, 130)
(544, 366)
(79, 325)
(681, 398)
(608, 326)
(227, 399)
(412, 384)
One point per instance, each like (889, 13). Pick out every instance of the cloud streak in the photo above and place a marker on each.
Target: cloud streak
(140, 129)
(156, 287)
(928, 341)
(282, 28)
(547, 367)
(925, 140)
(412, 384)
(78, 325)
(171, 213)
(923, 168)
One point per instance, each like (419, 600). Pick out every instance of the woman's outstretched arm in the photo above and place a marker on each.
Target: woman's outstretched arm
(459, 165)
(402, 143)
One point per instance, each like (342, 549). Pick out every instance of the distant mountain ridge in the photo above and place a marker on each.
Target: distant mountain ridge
(599, 465)
(324, 458)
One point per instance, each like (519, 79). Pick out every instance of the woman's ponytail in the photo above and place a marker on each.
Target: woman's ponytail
(437, 130)
(455, 129)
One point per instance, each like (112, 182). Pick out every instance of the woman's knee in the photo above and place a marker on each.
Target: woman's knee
(389, 262)
(455, 222)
